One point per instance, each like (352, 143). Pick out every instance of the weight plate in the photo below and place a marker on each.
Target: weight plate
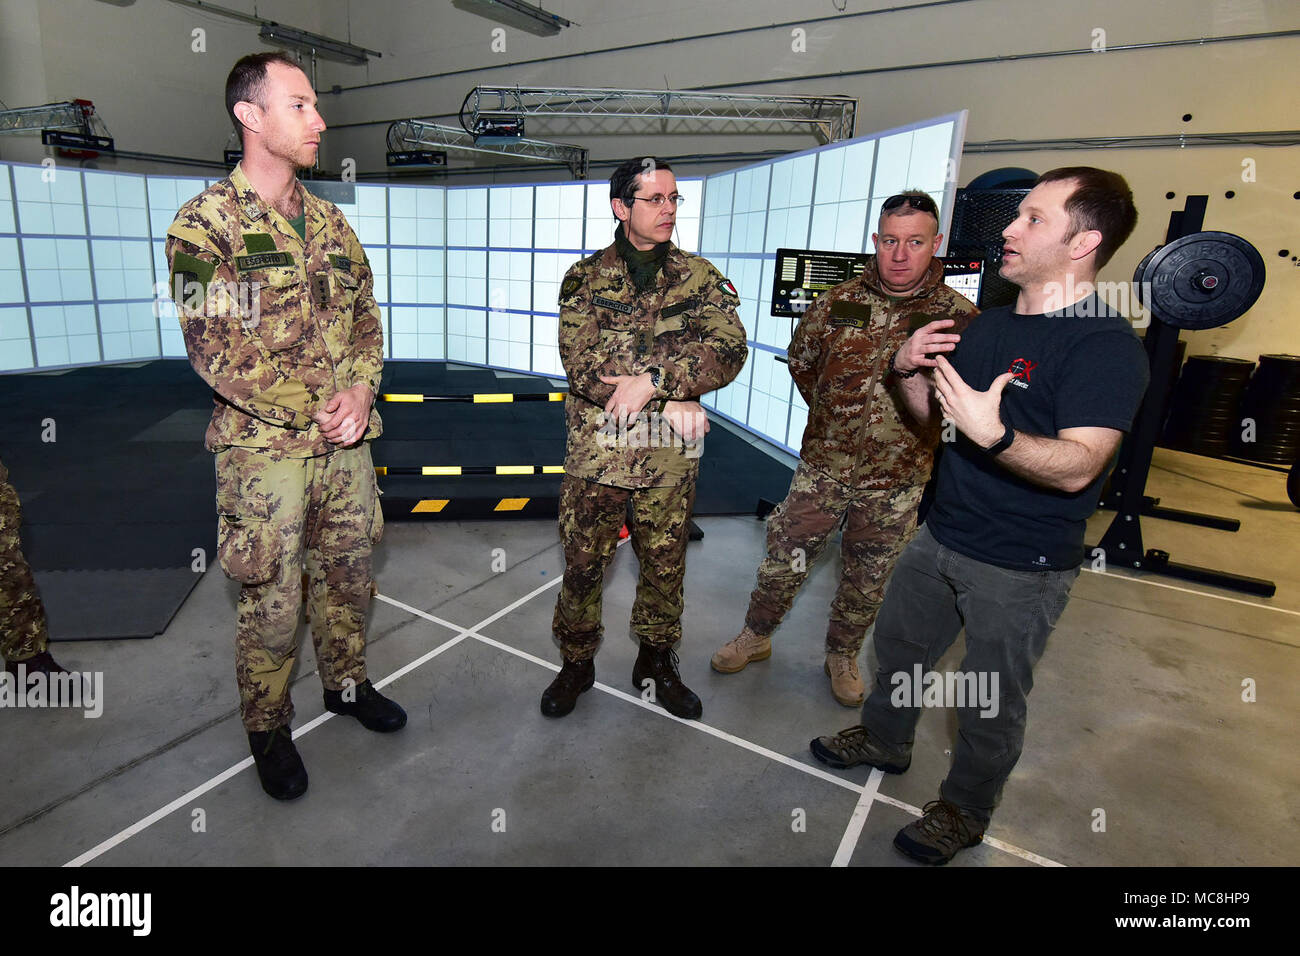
(1138, 287)
(1202, 281)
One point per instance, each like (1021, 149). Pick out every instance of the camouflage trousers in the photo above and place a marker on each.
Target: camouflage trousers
(877, 526)
(279, 517)
(591, 515)
(23, 631)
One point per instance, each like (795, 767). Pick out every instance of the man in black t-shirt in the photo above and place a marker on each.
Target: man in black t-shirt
(1040, 395)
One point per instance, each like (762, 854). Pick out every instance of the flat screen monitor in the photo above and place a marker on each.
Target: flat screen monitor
(802, 275)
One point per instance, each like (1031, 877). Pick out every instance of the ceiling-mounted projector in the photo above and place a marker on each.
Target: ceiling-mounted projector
(498, 130)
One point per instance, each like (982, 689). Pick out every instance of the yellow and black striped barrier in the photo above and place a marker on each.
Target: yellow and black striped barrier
(465, 471)
(476, 398)
(471, 507)
(481, 499)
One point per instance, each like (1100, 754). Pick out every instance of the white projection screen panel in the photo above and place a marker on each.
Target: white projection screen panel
(829, 199)
(462, 273)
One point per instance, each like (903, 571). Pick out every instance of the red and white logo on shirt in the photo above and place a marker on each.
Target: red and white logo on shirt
(1020, 370)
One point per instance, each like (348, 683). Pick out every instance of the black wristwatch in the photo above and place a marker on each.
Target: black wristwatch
(1002, 444)
(893, 367)
(656, 376)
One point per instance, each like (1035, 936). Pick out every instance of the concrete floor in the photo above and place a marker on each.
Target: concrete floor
(1137, 711)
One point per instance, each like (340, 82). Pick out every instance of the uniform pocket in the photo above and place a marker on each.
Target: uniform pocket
(1055, 593)
(377, 520)
(246, 544)
(676, 323)
(279, 320)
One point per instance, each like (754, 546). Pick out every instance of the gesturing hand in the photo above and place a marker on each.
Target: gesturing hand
(929, 338)
(976, 414)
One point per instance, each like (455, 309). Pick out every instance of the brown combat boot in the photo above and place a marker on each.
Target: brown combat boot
(741, 650)
(846, 682)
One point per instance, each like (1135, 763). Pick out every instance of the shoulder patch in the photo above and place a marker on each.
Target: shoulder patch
(188, 270)
(570, 285)
(729, 289)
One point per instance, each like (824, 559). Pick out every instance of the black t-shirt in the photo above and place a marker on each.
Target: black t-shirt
(1084, 367)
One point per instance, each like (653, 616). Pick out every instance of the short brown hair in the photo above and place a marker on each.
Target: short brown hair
(246, 79)
(1102, 200)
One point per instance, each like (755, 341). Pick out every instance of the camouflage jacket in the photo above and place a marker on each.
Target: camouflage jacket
(275, 324)
(686, 326)
(859, 431)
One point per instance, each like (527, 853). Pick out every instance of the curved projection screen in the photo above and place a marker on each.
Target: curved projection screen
(466, 274)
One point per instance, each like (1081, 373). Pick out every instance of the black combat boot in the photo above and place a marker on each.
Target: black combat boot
(278, 765)
(374, 710)
(659, 663)
(57, 692)
(41, 663)
(561, 695)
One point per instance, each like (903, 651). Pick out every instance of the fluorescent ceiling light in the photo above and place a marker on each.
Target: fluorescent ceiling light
(314, 43)
(516, 13)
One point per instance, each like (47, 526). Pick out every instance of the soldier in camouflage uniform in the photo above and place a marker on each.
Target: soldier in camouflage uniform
(869, 442)
(644, 330)
(24, 635)
(275, 300)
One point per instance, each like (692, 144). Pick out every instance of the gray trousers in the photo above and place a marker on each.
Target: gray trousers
(1008, 616)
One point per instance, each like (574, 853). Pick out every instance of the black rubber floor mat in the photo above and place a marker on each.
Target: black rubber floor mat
(109, 605)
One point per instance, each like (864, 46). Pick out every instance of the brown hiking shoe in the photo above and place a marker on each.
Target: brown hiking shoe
(943, 830)
(856, 745)
(846, 682)
(736, 653)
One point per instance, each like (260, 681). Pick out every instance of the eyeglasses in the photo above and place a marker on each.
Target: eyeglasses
(920, 203)
(658, 201)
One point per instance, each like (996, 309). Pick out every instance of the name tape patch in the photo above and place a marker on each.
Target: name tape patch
(603, 302)
(263, 260)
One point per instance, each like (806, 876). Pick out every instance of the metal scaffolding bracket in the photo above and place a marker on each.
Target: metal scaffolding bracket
(831, 116)
(417, 134)
(75, 116)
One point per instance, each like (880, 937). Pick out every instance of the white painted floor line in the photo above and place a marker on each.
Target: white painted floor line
(523, 600)
(247, 762)
(869, 792)
(1016, 851)
(157, 815)
(418, 613)
(849, 841)
(991, 841)
(1174, 587)
(694, 724)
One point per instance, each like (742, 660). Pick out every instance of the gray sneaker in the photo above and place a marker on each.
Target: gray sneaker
(943, 830)
(858, 745)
